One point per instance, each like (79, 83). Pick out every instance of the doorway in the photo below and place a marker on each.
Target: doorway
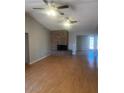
(82, 44)
(27, 60)
(86, 43)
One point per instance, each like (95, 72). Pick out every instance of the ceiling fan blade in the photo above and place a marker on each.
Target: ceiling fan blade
(45, 1)
(38, 8)
(63, 6)
(73, 22)
(61, 13)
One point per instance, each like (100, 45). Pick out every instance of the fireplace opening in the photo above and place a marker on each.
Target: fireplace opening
(62, 47)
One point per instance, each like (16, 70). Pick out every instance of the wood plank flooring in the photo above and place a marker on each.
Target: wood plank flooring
(62, 74)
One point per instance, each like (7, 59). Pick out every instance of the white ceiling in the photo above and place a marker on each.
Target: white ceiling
(84, 11)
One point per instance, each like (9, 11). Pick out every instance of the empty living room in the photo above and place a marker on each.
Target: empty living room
(61, 46)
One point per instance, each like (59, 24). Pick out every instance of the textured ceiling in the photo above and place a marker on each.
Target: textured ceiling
(84, 11)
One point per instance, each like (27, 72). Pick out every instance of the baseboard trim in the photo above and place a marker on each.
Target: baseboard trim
(39, 59)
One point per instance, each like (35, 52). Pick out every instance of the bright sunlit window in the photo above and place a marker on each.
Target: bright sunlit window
(91, 43)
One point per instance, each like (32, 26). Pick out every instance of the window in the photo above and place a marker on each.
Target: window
(91, 43)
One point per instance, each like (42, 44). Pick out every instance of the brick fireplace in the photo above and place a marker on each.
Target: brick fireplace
(59, 41)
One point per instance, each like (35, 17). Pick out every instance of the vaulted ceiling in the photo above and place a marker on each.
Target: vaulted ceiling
(84, 11)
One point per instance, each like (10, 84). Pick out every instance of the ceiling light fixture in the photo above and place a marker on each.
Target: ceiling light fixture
(67, 24)
(51, 11)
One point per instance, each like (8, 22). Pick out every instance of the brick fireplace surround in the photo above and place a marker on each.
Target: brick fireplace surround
(59, 38)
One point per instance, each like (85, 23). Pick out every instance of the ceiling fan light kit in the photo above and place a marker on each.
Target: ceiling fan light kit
(51, 11)
(67, 24)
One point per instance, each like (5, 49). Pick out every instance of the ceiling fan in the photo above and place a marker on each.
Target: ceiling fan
(70, 20)
(53, 6)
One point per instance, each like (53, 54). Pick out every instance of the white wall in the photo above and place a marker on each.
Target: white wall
(73, 36)
(39, 42)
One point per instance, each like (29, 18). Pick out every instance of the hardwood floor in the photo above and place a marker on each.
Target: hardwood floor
(62, 74)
